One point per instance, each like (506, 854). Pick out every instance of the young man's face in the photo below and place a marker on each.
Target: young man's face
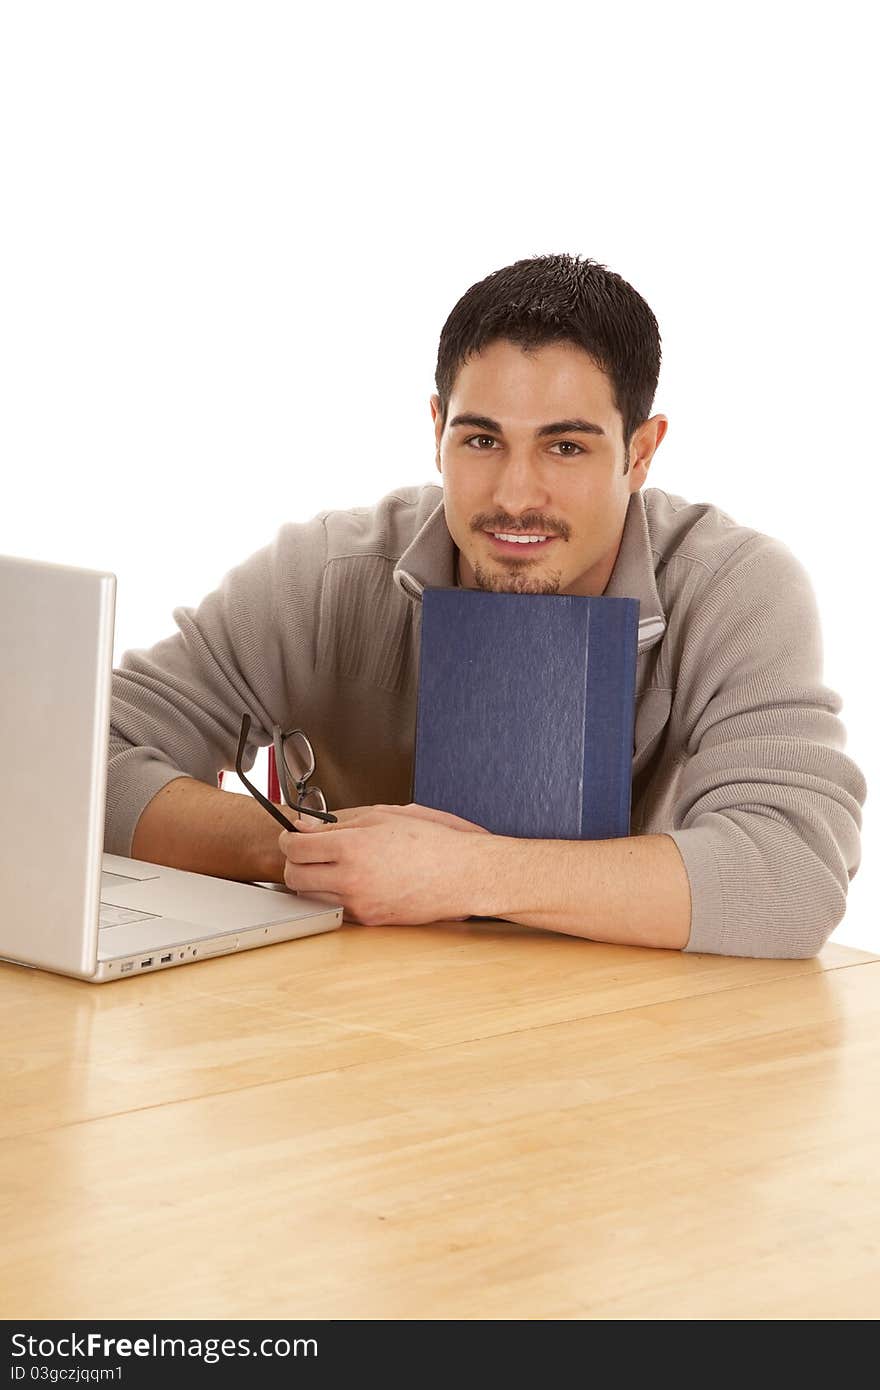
(506, 472)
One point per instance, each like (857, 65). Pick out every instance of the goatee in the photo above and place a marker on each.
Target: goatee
(493, 582)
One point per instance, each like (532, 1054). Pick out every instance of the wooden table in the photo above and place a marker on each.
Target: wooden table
(461, 1121)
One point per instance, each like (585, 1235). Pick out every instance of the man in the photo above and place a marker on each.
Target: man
(746, 812)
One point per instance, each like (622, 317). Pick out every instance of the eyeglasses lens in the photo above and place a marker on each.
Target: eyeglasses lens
(299, 757)
(313, 800)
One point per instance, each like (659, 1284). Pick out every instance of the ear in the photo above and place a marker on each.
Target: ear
(438, 429)
(645, 443)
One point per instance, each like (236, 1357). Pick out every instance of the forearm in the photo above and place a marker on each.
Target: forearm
(189, 825)
(634, 890)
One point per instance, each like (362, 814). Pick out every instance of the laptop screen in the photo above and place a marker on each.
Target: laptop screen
(56, 655)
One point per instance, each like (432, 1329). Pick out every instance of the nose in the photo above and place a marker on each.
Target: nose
(519, 486)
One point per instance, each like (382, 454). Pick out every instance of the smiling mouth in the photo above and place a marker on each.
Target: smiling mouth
(522, 544)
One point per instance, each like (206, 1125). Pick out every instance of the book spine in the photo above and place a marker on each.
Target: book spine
(612, 645)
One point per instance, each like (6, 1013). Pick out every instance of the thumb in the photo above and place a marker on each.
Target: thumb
(306, 822)
(301, 825)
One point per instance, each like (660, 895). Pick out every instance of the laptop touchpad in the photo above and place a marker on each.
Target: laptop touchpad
(218, 904)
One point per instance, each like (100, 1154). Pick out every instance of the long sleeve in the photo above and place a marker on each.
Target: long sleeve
(176, 708)
(767, 811)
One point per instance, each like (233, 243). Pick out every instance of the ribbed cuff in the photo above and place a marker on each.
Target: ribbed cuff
(697, 849)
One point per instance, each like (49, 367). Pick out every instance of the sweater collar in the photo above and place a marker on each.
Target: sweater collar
(429, 563)
(633, 574)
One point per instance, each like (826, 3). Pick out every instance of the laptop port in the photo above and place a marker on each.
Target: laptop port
(126, 966)
(163, 960)
(145, 963)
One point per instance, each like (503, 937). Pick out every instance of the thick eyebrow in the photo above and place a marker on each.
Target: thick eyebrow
(576, 426)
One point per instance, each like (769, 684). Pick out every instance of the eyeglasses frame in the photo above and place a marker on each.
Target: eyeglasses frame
(285, 776)
(326, 816)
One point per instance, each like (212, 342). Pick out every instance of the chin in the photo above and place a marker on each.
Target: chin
(506, 582)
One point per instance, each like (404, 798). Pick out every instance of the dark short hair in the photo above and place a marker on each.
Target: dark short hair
(553, 299)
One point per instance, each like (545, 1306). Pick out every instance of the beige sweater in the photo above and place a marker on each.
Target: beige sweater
(738, 748)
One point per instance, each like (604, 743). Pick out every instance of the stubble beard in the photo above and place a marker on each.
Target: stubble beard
(513, 582)
(513, 575)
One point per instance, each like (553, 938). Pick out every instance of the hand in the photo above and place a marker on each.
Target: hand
(388, 865)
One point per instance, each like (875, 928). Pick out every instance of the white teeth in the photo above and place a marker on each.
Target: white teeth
(521, 540)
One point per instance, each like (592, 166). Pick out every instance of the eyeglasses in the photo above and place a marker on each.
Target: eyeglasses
(295, 764)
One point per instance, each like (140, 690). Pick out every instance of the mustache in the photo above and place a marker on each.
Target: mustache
(532, 521)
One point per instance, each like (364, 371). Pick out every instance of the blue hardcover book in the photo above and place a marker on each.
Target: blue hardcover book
(526, 711)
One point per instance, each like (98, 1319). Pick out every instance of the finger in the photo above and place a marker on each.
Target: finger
(312, 878)
(440, 817)
(289, 838)
(352, 815)
(313, 849)
(304, 822)
(421, 812)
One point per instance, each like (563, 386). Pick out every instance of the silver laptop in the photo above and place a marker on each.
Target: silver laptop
(64, 905)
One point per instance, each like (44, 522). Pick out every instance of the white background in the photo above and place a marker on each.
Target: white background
(231, 234)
